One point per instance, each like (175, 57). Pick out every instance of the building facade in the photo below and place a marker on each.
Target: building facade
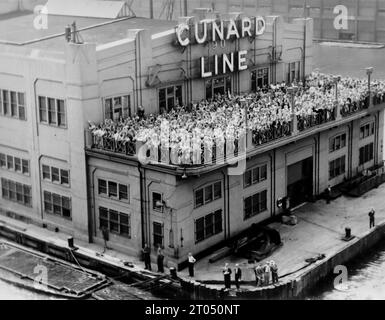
(54, 175)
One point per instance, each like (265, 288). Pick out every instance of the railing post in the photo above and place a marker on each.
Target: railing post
(294, 121)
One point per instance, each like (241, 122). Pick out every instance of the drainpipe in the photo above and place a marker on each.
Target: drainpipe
(142, 208)
(272, 196)
(224, 204)
(91, 208)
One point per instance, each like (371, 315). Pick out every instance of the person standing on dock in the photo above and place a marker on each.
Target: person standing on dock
(227, 276)
(258, 275)
(328, 193)
(371, 218)
(237, 275)
(274, 271)
(147, 257)
(160, 259)
(267, 274)
(191, 262)
(106, 237)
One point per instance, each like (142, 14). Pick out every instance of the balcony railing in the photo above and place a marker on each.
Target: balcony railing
(321, 117)
(217, 153)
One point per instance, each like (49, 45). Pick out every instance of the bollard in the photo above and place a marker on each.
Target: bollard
(71, 242)
(348, 233)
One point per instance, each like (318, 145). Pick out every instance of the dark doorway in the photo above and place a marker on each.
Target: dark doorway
(300, 182)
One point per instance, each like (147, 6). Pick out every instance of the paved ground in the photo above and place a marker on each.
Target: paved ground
(319, 230)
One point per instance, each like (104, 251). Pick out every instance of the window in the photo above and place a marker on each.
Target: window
(293, 72)
(255, 175)
(46, 172)
(366, 153)
(16, 192)
(208, 194)
(17, 164)
(25, 164)
(64, 176)
(337, 143)
(55, 174)
(113, 189)
(3, 162)
(158, 234)
(43, 109)
(367, 130)
(170, 97)
(259, 78)
(52, 111)
(117, 107)
(9, 162)
(6, 109)
(336, 167)
(61, 114)
(255, 204)
(102, 186)
(157, 202)
(21, 105)
(13, 104)
(221, 85)
(208, 226)
(123, 192)
(116, 222)
(57, 204)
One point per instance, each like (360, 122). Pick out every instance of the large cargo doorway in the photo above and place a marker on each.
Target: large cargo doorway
(300, 182)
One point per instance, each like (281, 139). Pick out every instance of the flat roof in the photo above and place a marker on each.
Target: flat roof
(18, 29)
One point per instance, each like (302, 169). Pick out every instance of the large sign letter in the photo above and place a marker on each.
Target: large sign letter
(341, 21)
(179, 31)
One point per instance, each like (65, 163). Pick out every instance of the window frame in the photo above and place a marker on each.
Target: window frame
(16, 192)
(14, 101)
(333, 144)
(109, 222)
(51, 116)
(168, 96)
(112, 106)
(254, 73)
(204, 187)
(251, 171)
(205, 229)
(262, 204)
(56, 202)
(337, 163)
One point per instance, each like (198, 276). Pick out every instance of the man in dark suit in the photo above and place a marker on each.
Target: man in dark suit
(237, 275)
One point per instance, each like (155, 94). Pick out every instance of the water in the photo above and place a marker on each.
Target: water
(366, 277)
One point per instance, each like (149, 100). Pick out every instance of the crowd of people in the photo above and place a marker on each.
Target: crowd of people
(269, 114)
(266, 273)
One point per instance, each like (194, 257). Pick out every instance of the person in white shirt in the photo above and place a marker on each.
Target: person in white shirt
(191, 262)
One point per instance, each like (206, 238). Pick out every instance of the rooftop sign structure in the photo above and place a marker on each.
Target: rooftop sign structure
(88, 8)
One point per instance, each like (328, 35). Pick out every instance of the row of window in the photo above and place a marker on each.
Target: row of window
(16, 192)
(208, 194)
(114, 221)
(366, 153)
(208, 226)
(367, 130)
(337, 143)
(255, 204)
(52, 112)
(114, 190)
(56, 175)
(57, 204)
(14, 163)
(337, 167)
(12, 104)
(255, 175)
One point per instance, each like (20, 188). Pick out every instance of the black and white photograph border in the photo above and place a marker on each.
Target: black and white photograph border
(168, 150)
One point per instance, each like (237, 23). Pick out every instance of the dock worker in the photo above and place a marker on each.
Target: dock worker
(258, 275)
(227, 276)
(371, 218)
(267, 274)
(328, 193)
(160, 259)
(191, 262)
(274, 271)
(147, 257)
(237, 275)
(105, 237)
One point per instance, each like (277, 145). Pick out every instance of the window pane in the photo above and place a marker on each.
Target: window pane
(64, 177)
(47, 201)
(25, 164)
(42, 109)
(61, 113)
(123, 192)
(114, 221)
(157, 201)
(208, 193)
(18, 164)
(56, 199)
(199, 229)
(247, 207)
(19, 192)
(178, 95)
(10, 162)
(13, 104)
(248, 178)
(103, 218)
(218, 221)
(199, 197)
(255, 175)
(52, 111)
(66, 205)
(55, 174)
(263, 173)
(112, 189)
(108, 108)
(6, 108)
(3, 162)
(217, 190)
(209, 225)
(102, 184)
(27, 195)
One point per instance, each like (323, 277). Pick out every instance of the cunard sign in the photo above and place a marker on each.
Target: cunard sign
(220, 31)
